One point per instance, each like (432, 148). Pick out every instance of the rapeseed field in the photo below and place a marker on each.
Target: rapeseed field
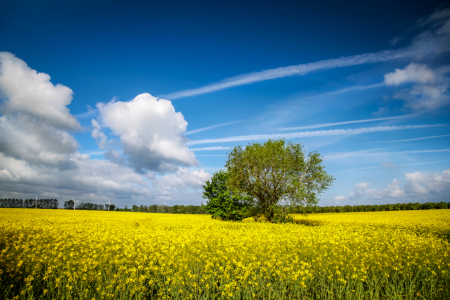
(59, 254)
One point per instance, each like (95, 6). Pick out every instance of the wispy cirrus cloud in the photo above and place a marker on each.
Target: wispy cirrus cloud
(295, 70)
(373, 152)
(432, 40)
(210, 148)
(388, 165)
(416, 139)
(89, 114)
(210, 127)
(343, 123)
(338, 132)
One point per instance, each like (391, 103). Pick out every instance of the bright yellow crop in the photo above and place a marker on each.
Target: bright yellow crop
(54, 254)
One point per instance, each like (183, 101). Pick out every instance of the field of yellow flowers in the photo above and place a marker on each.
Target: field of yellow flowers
(59, 254)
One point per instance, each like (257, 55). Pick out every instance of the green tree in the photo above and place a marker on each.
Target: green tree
(275, 172)
(223, 203)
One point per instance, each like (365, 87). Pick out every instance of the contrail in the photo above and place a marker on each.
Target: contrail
(343, 123)
(365, 153)
(416, 139)
(210, 148)
(301, 69)
(210, 127)
(309, 134)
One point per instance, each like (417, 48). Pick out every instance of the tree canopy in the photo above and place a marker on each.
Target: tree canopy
(277, 171)
(223, 203)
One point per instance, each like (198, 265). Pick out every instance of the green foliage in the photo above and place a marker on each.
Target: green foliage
(368, 208)
(277, 171)
(222, 203)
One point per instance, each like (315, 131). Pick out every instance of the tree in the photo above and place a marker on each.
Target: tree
(277, 171)
(69, 204)
(222, 202)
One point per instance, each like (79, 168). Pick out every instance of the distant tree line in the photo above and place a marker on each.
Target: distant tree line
(361, 208)
(29, 203)
(196, 209)
(176, 209)
(88, 206)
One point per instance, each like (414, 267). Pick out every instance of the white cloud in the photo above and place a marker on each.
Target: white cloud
(436, 16)
(30, 93)
(39, 157)
(150, 132)
(428, 184)
(98, 135)
(89, 179)
(35, 142)
(431, 41)
(339, 199)
(412, 73)
(359, 188)
(295, 70)
(182, 179)
(425, 96)
(335, 132)
(362, 185)
(419, 187)
(430, 89)
(392, 191)
(35, 119)
(89, 114)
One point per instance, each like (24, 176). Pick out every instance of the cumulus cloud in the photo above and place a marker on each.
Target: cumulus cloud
(430, 89)
(91, 179)
(98, 135)
(30, 93)
(412, 73)
(35, 120)
(339, 199)
(359, 188)
(392, 191)
(39, 157)
(150, 132)
(183, 179)
(428, 184)
(418, 187)
(36, 143)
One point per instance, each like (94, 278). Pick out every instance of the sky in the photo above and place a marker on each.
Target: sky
(140, 102)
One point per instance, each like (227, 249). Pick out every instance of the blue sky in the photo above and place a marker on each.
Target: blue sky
(139, 103)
